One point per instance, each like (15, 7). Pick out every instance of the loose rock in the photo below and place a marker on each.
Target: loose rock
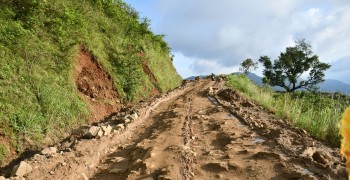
(106, 130)
(22, 169)
(49, 151)
(93, 131)
(321, 157)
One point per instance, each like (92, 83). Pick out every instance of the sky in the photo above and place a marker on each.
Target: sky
(216, 36)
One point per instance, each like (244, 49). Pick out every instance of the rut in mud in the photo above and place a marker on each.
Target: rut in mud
(200, 131)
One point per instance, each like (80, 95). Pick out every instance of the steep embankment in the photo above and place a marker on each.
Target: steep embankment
(65, 62)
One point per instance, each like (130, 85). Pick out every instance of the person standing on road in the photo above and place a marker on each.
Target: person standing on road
(212, 76)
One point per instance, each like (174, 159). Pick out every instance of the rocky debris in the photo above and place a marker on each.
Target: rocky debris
(22, 169)
(210, 91)
(106, 130)
(100, 133)
(119, 127)
(308, 142)
(322, 157)
(308, 151)
(217, 166)
(205, 117)
(49, 151)
(2, 178)
(38, 157)
(93, 131)
(116, 170)
(129, 117)
(267, 155)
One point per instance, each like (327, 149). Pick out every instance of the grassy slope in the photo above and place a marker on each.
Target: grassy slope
(39, 41)
(319, 114)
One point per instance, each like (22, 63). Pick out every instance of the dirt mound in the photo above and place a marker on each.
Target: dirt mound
(95, 86)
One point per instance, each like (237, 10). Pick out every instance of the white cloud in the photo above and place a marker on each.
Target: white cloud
(221, 34)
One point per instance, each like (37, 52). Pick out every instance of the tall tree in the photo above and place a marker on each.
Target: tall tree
(247, 65)
(291, 64)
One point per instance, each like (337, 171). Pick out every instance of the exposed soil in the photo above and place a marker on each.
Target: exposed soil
(198, 131)
(153, 79)
(96, 87)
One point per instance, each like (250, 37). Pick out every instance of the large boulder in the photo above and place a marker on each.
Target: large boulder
(22, 169)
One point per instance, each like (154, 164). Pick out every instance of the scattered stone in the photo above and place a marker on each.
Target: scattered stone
(106, 130)
(52, 173)
(116, 170)
(49, 151)
(233, 165)
(93, 131)
(217, 166)
(308, 143)
(247, 104)
(100, 133)
(284, 141)
(119, 127)
(22, 169)
(210, 91)
(63, 164)
(205, 117)
(127, 121)
(308, 151)
(321, 157)
(134, 116)
(37, 157)
(267, 155)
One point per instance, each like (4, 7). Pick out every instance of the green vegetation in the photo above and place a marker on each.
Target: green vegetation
(3, 151)
(39, 43)
(290, 65)
(248, 65)
(317, 113)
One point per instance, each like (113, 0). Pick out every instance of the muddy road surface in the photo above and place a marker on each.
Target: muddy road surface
(200, 131)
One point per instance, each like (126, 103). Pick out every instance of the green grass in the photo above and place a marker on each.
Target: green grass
(39, 42)
(3, 151)
(317, 113)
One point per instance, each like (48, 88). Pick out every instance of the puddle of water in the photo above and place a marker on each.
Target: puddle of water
(258, 140)
(231, 116)
(213, 100)
(306, 171)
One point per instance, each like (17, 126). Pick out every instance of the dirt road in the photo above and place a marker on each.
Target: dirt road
(197, 132)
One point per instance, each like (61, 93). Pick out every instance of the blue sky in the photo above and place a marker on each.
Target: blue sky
(216, 36)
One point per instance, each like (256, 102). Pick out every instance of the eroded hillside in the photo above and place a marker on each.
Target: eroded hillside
(65, 63)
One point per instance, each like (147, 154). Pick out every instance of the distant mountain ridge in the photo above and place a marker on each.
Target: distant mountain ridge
(329, 85)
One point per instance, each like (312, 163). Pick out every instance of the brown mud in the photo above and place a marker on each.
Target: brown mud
(198, 131)
(96, 87)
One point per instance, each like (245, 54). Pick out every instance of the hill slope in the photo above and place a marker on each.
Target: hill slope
(329, 85)
(62, 62)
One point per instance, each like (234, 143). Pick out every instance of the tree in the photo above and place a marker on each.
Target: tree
(247, 65)
(290, 65)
